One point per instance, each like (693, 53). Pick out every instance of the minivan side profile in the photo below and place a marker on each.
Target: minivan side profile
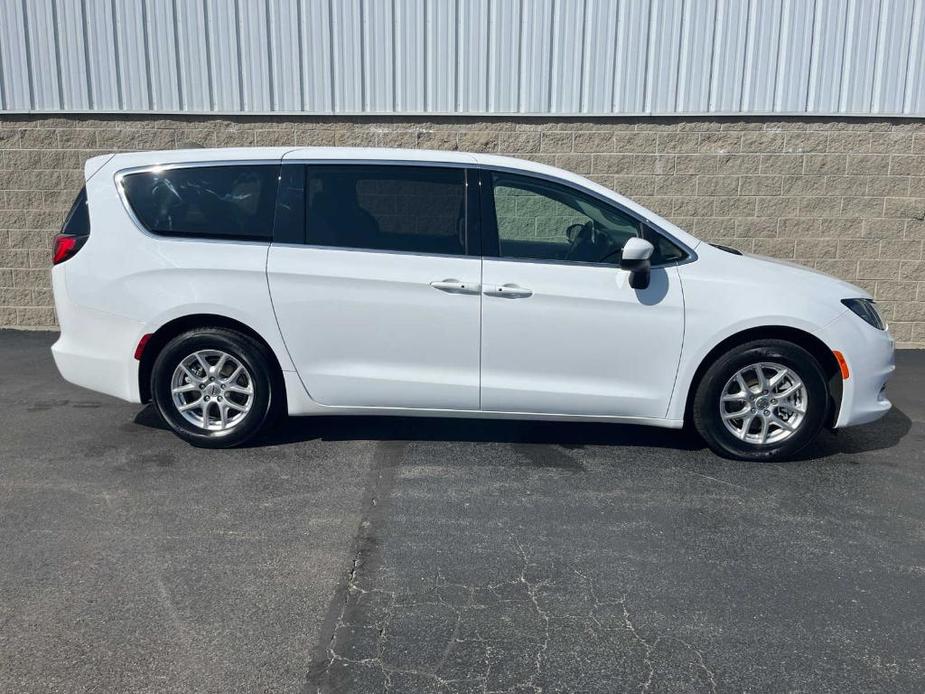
(229, 286)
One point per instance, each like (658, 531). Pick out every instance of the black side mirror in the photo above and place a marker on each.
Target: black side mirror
(636, 260)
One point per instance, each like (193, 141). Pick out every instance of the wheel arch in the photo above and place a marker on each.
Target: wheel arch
(812, 344)
(177, 326)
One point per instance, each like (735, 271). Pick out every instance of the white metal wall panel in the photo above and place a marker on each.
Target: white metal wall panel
(535, 56)
(254, 46)
(914, 93)
(15, 71)
(224, 54)
(286, 84)
(104, 73)
(75, 85)
(195, 84)
(664, 55)
(860, 50)
(794, 55)
(409, 56)
(162, 55)
(43, 54)
(378, 23)
(892, 56)
(729, 45)
(316, 26)
(761, 50)
(825, 73)
(632, 50)
(473, 57)
(596, 57)
(696, 56)
(131, 47)
(440, 54)
(346, 52)
(504, 41)
(568, 37)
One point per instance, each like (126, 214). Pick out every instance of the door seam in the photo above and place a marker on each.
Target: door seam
(481, 318)
(282, 336)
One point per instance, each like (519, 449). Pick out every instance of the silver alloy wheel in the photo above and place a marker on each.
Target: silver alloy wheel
(212, 390)
(764, 403)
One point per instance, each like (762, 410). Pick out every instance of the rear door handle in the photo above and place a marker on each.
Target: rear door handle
(452, 286)
(509, 291)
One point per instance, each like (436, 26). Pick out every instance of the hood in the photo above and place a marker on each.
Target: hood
(773, 278)
(846, 289)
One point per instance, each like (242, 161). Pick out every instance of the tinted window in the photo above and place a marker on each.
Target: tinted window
(541, 220)
(665, 251)
(545, 221)
(234, 202)
(416, 209)
(77, 222)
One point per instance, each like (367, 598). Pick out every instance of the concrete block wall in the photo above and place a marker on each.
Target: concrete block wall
(844, 196)
(527, 216)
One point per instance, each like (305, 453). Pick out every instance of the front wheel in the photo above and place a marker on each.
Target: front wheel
(764, 400)
(214, 387)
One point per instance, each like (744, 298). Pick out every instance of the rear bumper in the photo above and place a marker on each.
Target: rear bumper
(869, 354)
(95, 350)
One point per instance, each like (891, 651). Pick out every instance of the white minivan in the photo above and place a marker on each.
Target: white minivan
(231, 285)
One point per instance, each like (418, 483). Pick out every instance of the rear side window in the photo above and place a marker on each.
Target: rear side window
(229, 202)
(77, 222)
(413, 209)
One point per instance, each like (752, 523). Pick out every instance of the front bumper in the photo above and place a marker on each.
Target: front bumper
(869, 355)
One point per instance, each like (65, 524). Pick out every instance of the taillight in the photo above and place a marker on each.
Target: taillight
(74, 232)
(66, 246)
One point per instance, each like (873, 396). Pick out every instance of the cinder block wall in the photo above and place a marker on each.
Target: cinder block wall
(846, 197)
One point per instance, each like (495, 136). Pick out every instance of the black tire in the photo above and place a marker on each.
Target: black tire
(708, 419)
(252, 355)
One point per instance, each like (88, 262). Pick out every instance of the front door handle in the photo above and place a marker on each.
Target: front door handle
(452, 286)
(509, 291)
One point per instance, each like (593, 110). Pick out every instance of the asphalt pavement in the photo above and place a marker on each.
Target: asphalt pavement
(419, 555)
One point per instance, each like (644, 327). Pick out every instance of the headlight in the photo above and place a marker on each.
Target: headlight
(866, 309)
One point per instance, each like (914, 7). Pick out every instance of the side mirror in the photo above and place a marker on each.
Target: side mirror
(635, 259)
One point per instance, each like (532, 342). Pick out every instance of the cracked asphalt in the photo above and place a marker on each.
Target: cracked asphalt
(413, 555)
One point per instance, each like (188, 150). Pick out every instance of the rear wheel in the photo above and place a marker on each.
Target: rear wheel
(214, 387)
(764, 400)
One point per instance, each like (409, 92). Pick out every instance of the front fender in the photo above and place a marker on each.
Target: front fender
(698, 348)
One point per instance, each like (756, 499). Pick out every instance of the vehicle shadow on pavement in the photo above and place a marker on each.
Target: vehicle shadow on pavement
(880, 435)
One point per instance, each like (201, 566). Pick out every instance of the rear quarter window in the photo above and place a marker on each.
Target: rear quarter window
(77, 222)
(228, 202)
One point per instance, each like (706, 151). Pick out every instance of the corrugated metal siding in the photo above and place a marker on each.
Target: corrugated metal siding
(598, 57)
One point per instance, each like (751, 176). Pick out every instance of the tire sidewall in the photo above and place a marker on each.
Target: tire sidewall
(247, 351)
(707, 416)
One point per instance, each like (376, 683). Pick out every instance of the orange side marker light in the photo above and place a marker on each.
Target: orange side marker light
(842, 364)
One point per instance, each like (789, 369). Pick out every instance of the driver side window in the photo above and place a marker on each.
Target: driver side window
(541, 220)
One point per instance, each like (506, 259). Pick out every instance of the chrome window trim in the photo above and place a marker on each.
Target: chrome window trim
(120, 174)
(376, 162)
